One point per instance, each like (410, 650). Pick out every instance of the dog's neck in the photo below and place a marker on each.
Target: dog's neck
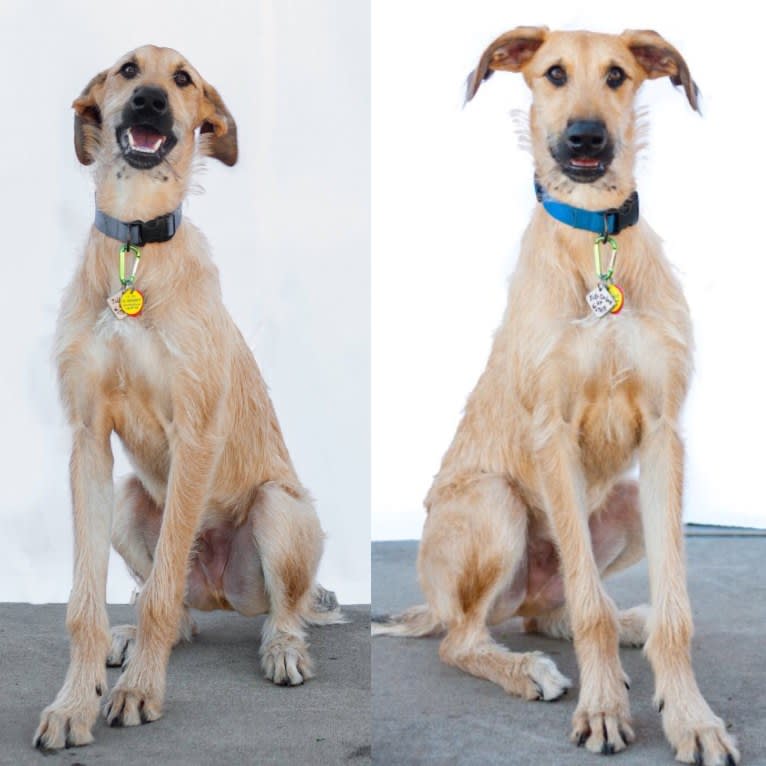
(129, 194)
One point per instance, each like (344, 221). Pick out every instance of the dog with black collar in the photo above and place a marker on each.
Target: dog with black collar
(214, 516)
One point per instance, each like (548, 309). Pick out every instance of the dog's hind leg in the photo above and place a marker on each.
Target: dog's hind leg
(289, 541)
(323, 608)
(631, 624)
(135, 529)
(474, 542)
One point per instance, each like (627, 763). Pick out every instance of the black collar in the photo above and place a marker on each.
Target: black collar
(139, 233)
(604, 222)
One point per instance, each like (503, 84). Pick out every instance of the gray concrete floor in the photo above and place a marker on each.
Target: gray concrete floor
(425, 712)
(219, 709)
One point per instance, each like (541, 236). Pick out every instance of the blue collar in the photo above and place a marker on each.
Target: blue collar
(605, 222)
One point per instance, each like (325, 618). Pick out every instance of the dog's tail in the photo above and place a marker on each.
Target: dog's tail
(416, 622)
(323, 608)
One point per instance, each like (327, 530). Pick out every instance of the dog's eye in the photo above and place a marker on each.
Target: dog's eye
(556, 75)
(615, 77)
(181, 78)
(129, 70)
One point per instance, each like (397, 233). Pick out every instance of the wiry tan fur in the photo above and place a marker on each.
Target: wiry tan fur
(180, 387)
(530, 508)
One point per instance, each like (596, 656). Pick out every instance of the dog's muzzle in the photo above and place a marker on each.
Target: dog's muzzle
(584, 151)
(145, 135)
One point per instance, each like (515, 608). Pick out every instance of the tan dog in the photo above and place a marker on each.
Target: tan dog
(215, 516)
(530, 508)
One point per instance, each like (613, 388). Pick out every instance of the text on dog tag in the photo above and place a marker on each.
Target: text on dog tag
(600, 300)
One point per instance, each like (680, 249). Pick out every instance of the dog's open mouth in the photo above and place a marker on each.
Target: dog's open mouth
(143, 146)
(144, 139)
(584, 169)
(584, 163)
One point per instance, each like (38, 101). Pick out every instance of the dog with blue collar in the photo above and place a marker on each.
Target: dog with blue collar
(533, 505)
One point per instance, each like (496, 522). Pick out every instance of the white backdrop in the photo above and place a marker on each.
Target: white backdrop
(452, 193)
(289, 228)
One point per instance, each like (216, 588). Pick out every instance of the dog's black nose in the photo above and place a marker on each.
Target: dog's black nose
(586, 137)
(148, 98)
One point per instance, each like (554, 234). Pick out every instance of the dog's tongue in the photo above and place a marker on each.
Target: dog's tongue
(145, 139)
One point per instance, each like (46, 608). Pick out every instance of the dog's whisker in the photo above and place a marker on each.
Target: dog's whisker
(520, 122)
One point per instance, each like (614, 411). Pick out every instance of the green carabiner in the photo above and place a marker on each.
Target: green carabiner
(605, 276)
(128, 281)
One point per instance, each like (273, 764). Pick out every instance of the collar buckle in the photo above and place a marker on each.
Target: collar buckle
(135, 234)
(618, 218)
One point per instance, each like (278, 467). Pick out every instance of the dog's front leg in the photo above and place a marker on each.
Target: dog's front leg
(138, 695)
(696, 733)
(602, 719)
(69, 719)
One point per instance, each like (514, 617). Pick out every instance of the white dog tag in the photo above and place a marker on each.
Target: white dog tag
(600, 300)
(113, 301)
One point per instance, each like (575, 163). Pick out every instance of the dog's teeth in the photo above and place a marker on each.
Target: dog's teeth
(144, 149)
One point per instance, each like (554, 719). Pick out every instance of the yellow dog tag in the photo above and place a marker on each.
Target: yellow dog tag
(131, 302)
(619, 297)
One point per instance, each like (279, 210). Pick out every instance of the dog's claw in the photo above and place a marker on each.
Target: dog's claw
(67, 732)
(699, 759)
(583, 738)
(624, 735)
(607, 748)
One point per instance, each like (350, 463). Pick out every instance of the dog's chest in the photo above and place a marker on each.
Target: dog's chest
(610, 379)
(136, 364)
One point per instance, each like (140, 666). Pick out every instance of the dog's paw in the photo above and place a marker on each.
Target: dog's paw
(67, 724)
(543, 681)
(285, 661)
(704, 742)
(131, 707)
(122, 646)
(605, 733)
(324, 600)
(187, 627)
(632, 625)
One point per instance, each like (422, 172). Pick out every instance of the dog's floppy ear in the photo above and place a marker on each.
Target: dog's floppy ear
(658, 58)
(218, 130)
(87, 119)
(510, 52)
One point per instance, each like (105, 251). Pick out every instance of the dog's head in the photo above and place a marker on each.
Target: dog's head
(583, 84)
(144, 111)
